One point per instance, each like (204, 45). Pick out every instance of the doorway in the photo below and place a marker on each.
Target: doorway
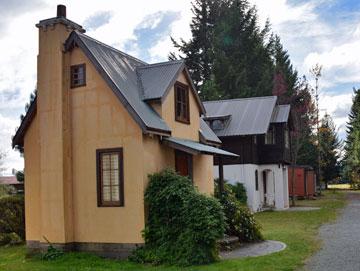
(183, 164)
(264, 179)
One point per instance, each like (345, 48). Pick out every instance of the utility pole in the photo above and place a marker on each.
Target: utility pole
(316, 72)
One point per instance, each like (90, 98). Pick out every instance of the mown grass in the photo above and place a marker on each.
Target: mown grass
(297, 229)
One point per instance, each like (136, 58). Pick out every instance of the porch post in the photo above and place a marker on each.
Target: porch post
(221, 176)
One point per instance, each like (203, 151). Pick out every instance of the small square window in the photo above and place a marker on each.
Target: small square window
(78, 75)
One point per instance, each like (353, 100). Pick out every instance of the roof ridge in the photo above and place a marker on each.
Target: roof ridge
(240, 99)
(170, 62)
(112, 48)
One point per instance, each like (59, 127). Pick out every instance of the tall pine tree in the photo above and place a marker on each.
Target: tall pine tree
(351, 159)
(329, 149)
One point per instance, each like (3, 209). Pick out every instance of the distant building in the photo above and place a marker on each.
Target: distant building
(12, 181)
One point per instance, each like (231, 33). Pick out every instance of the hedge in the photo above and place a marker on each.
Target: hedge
(183, 225)
(12, 220)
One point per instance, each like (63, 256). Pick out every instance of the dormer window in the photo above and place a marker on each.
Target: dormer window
(270, 136)
(182, 112)
(78, 75)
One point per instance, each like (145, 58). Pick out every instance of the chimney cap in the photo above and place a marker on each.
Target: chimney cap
(61, 11)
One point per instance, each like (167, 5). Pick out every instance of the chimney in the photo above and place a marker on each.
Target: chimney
(61, 11)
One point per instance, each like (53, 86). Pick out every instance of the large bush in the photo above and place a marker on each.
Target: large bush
(240, 221)
(239, 191)
(12, 219)
(183, 225)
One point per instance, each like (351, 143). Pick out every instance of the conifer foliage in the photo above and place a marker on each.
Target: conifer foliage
(352, 144)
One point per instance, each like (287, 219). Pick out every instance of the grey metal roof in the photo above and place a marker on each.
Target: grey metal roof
(249, 116)
(119, 70)
(157, 78)
(207, 133)
(194, 147)
(280, 114)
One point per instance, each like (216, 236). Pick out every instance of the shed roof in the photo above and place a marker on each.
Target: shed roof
(208, 134)
(8, 180)
(280, 114)
(195, 147)
(249, 116)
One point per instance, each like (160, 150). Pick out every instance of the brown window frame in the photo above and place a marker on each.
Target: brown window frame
(182, 118)
(100, 202)
(72, 72)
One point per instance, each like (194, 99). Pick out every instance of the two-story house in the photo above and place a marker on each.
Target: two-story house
(102, 122)
(257, 129)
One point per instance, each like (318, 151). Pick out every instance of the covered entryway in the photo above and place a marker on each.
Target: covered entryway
(268, 188)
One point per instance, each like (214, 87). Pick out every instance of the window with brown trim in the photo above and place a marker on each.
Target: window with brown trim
(182, 112)
(77, 75)
(110, 177)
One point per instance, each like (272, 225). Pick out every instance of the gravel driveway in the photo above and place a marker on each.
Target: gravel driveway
(341, 241)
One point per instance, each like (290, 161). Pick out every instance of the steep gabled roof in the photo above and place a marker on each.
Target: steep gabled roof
(157, 78)
(119, 71)
(249, 116)
(133, 81)
(281, 114)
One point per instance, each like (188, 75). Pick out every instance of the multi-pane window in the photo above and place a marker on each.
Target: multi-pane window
(270, 136)
(182, 112)
(78, 75)
(287, 139)
(110, 177)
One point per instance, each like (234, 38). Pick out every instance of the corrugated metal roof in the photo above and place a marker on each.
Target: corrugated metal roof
(157, 78)
(207, 133)
(119, 69)
(249, 116)
(280, 113)
(194, 147)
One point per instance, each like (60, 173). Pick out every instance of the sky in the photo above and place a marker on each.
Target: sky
(313, 31)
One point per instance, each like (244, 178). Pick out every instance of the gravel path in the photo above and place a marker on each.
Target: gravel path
(341, 241)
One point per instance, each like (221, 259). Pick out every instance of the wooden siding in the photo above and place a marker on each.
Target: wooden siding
(259, 153)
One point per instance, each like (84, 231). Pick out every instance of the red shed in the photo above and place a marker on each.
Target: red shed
(305, 181)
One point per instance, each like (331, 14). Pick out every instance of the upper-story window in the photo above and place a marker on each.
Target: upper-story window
(182, 111)
(287, 138)
(77, 75)
(270, 136)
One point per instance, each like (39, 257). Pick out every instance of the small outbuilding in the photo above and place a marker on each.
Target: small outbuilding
(304, 181)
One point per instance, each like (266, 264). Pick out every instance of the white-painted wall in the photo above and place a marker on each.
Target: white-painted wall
(277, 184)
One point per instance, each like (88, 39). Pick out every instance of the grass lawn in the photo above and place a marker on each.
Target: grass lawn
(297, 229)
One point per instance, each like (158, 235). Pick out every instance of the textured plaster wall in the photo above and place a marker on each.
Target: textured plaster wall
(100, 121)
(32, 184)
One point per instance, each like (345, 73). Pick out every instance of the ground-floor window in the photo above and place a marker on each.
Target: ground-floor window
(110, 177)
(256, 180)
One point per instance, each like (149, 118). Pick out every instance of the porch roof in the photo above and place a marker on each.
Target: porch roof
(194, 147)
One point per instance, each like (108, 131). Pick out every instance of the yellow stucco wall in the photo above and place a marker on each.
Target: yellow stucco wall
(32, 184)
(167, 112)
(100, 121)
(203, 173)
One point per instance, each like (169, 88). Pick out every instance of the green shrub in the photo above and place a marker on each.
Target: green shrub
(183, 225)
(6, 190)
(240, 221)
(12, 220)
(239, 191)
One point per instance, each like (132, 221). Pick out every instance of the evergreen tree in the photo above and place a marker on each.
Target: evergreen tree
(351, 160)
(285, 76)
(329, 149)
(198, 52)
